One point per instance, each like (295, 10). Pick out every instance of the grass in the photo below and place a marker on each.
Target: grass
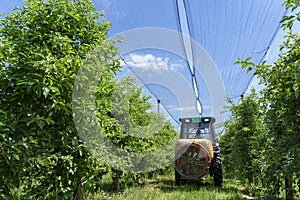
(164, 188)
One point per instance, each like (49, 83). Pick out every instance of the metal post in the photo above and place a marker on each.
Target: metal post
(158, 102)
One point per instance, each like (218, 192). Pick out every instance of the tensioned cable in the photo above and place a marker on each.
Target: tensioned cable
(266, 50)
(140, 79)
(194, 69)
(191, 68)
(181, 37)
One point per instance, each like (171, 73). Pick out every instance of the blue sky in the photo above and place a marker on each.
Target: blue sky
(8, 5)
(220, 32)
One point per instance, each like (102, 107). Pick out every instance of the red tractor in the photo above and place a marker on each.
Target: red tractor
(197, 152)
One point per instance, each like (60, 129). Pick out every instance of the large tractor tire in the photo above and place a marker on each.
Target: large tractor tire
(178, 180)
(216, 170)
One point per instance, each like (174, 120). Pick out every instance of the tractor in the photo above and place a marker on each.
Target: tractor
(197, 151)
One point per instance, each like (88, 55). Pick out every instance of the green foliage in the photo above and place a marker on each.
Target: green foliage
(240, 143)
(43, 45)
(287, 22)
(278, 159)
(246, 63)
(136, 131)
(140, 130)
(282, 113)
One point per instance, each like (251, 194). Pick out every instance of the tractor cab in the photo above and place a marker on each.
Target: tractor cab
(198, 128)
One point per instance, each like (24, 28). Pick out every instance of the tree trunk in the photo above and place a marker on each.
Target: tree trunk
(289, 191)
(78, 194)
(116, 182)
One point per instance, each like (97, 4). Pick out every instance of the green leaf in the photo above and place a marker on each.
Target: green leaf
(46, 91)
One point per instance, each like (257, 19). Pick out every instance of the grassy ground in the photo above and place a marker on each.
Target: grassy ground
(164, 188)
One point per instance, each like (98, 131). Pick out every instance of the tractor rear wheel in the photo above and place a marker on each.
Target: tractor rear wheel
(216, 170)
(178, 180)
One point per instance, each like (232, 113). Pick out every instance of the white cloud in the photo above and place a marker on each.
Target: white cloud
(151, 62)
